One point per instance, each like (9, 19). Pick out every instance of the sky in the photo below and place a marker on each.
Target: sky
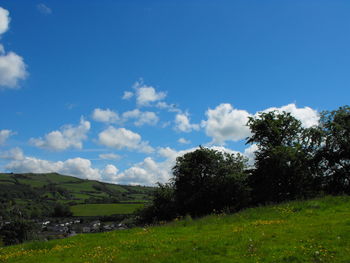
(115, 90)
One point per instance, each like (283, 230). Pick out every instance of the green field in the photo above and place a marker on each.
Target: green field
(312, 231)
(104, 209)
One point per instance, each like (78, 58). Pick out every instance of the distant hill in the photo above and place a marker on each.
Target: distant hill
(303, 231)
(31, 191)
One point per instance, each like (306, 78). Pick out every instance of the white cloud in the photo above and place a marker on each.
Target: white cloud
(13, 154)
(67, 137)
(183, 124)
(44, 9)
(308, 116)
(110, 173)
(145, 95)
(127, 95)
(183, 141)
(250, 153)
(12, 70)
(142, 118)
(12, 66)
(147, 172)
(226, 123)
(78, 167)
(109, 156)
(122, 138)
(168, 107)
(4, 20)
(106, 116)
(4, 135)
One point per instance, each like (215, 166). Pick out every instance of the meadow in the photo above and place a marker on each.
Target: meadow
(104, 209)
(316, 230)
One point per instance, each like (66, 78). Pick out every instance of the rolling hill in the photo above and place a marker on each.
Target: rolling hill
(33, 193)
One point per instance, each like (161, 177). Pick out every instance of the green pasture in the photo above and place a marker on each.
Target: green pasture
(103, 209)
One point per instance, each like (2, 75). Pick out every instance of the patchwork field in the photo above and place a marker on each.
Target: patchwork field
(63, 188)
(311, 231)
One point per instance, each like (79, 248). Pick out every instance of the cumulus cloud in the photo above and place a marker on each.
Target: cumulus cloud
(183, 141)
(147, 172)
(308, 116)
(4, 135)
(226, 123)
(68, 136)
(13, 154)
(4, 20)
(145, 95)
(250, 153)
(122, 138)
(106, 115)
(169, 107)
(44, 9)
(127, 95)
(141, 118)
(110, 173)
(109, 156)
(78, 167)
(12, 70)
(183, 124)
(12, 66)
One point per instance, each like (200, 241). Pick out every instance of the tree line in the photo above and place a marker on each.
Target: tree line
(291, 162)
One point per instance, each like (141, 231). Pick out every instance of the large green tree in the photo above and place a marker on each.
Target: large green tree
(284, 164)
(334, 155)
(207, 180)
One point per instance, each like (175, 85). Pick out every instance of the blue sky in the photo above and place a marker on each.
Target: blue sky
(115, 90)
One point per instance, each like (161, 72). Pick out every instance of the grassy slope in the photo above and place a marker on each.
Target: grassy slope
(312, 231)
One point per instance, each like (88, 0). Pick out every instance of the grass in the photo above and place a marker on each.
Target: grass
(312, 231)
(103, 209)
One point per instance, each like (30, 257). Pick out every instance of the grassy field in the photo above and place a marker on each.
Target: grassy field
(312, 231)
(104, 209)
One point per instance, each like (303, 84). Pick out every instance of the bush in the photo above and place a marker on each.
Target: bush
(17, 232)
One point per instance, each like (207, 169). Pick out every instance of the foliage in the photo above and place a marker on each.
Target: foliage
(284, 162)
(61, 210)
(162, 207)
(204, 181)
(334, 156)
(207, 180)
(17, 231)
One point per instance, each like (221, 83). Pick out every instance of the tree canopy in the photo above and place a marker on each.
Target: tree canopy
(291, 162)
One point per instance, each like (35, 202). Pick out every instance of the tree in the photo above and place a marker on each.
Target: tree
(206, 180)
(162, 206)
(17, 231)
(61, 210)
(334, 155)
(284, 167)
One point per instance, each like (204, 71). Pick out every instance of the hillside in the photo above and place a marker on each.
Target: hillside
(311, 231)
(33, 193)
